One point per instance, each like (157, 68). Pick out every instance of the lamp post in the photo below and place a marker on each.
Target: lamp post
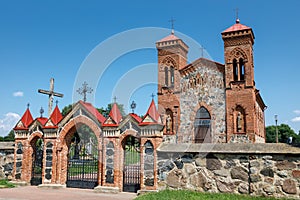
(276, 129)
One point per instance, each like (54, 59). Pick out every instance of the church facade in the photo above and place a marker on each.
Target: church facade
(201, 102)
(206, 101)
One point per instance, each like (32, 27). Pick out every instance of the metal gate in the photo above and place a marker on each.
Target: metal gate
(82, 163)
(132, 166)
(37, 163)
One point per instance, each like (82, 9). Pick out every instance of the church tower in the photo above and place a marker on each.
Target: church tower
(244, 105)
(172, 56)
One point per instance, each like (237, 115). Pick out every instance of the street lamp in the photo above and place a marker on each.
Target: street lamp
(276, 129)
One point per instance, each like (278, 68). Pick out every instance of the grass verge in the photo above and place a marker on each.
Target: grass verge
(6, 184)
(192, 195)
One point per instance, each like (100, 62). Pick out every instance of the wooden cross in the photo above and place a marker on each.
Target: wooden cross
(84, 89)
(172, 24)
(51, 94)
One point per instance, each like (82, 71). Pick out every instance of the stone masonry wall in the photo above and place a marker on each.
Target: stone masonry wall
(6, 160)
(241, 171)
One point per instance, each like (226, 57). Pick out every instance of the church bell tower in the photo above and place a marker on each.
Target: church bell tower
(244, 105)
(172, 56)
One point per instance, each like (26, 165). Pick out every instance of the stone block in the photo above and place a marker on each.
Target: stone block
(201, 162)
(198, 180)
(267, 172)
(289, 186)
(285, 165)
(213, 163)
(221, 172)
(174, 178)
(189, 169)
(239, 173)
(225, 187)
(243, 188)
(296, 173)
(104, 189)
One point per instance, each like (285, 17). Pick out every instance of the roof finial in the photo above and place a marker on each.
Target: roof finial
(28, 105)
(172, 24)
(41, 111)
(237, 20)
(115, 99)
(152, 95)
(133, 106)
(56, 102)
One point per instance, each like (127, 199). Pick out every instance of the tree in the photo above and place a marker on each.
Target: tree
(284, 132)
(66, 109)
(10, 137)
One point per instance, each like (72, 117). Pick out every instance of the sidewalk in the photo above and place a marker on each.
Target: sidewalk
(34, 193)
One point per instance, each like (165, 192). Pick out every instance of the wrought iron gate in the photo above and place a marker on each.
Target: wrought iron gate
(132, 166)
(82, 163)
(37, 163)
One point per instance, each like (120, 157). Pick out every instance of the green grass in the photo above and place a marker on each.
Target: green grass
(192, 195)
(5, 184)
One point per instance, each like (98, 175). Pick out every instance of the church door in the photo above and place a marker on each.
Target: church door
(202, 126)
(83, 160)
(37, 162)
(132, 166)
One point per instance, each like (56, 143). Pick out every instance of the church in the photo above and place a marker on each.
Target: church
(199, 102)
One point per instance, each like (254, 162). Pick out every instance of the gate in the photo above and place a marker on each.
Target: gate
(132, 166)
(82, 163)
(37, 162)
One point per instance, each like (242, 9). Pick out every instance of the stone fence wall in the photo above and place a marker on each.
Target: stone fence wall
(255, 169)
(6, 160)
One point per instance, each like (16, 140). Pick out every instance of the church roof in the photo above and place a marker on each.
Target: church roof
(237, 27)
(115, 113)
(93, 111)
(25, 120)
(136, 117)
(42, 120)
(169, 38)
(152, 116)
(56, 116)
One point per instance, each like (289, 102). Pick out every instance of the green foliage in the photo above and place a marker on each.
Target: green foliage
(193, 195)
(66, 109)
(5, 184)
(9, 138)
(284, 132)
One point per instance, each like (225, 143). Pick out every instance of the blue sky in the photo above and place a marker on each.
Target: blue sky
(44, 39)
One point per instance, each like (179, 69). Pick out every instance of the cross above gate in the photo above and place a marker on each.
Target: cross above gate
(84, 89)
(51, 94)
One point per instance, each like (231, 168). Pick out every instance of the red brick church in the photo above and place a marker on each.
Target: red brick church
(200, 102)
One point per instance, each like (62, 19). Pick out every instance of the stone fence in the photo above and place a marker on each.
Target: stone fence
(255, 169)
(6, 159)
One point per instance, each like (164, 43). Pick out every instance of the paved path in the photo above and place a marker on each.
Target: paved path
(34, 193)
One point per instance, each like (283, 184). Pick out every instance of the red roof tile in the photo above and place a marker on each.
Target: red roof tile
(136, 117)
(42, 120)
(236, 27)
(153, 113)
(169, 38)
(115, 114)
(27, 118)
(56, 116)
(93, 111)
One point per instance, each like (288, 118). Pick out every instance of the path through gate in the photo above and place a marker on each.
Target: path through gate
(132, 166)
(83, 163)
(37, 162)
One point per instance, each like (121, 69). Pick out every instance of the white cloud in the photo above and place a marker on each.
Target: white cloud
(18, 94)
(296, 119)
(8, 122)
(297, 112)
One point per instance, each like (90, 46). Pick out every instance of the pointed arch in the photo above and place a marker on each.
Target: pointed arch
(240, 119)
(202, 126)
(237, 53)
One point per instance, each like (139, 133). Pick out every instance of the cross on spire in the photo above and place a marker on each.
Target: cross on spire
(202, 51)
(115, 99)
(172, 25)
(51, 94)
(152, 95)
(41, 111)
(84, 89)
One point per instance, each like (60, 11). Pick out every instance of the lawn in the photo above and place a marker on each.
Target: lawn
(192, 195)
(5, 184)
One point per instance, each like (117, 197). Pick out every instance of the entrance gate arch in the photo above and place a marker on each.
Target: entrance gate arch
(37, 161)
(132, 164)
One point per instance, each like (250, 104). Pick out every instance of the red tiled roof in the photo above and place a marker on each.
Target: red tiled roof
(136, 117)
(115, 114)
(169, 38)
(42, 120)
(153, 113)
(93, 111)
(27, 118)
(236, 27)
(56, 116)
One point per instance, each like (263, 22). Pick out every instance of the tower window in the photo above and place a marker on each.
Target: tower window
(172, 75)
(166, 77)
(242, 69)
(235, 70)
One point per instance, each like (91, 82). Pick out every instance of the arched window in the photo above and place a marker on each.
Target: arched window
(242, 69)
(172, 75)
(166, 76)
(235, 70)
(169, 121)
(202, 126)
